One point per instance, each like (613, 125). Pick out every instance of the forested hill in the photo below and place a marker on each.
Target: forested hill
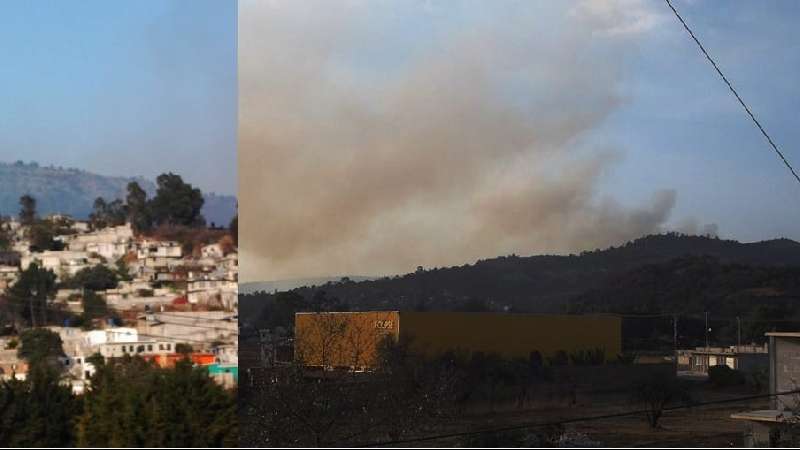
(73, 191)
(547, 283)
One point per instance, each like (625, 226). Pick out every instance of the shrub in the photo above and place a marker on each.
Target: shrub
(655, 392)
(559, 359)
(724, 376)
(759, 380)
(588, 357)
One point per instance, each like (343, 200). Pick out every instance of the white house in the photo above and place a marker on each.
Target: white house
(151, 249)
(61, 262)
(111, 243)
(111, 335)
(212, 251)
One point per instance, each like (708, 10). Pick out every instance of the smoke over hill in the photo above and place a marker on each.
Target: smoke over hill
(473, 144)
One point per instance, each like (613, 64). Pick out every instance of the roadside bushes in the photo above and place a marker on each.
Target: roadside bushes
(593, 357)
(724, 376)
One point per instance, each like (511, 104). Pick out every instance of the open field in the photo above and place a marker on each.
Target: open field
(705, 426)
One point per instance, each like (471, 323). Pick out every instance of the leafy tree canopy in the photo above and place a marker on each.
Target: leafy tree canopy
(176, 202)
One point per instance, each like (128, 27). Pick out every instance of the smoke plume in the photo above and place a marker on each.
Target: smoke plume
(369, 148)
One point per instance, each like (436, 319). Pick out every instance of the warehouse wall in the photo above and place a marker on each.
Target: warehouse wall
(511, 335)
(343, 339)
(351, 339)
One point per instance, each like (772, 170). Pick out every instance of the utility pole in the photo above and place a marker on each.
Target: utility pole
(33, 316)
(33, 295)
(738, 332)
(707, 329)
(675, 341)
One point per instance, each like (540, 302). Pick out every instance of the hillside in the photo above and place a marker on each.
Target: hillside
(286, 285)
(546, 283)
(73, 191)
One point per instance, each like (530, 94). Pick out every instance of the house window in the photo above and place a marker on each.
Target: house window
(140, 349)
(149, 348)
(161, 346)
(169, 347)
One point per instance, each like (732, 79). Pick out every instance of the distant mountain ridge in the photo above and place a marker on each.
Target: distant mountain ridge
(73, 191)
(286, 285)
(545, 283)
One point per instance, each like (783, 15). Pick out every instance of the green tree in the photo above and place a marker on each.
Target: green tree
(37, 412)
(42, 237)
(234, 229)
(39, 345)
(95, 278)
(107, 214)
(94, 307)
(176, 202)
(138, 207)
(97, 216)
(132, 403)
(29, 294)
(122, 270)
(5, 235)
(27, 212)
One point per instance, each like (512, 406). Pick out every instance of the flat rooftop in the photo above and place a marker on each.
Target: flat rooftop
(764, 415)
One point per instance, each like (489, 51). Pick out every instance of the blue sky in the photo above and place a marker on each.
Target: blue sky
(683, 129)
(121, 87)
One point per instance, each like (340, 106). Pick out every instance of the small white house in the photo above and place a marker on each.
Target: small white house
(212, 251)
(111, 335)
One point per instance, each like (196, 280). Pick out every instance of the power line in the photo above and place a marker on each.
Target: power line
(736, 94)
(573, 420)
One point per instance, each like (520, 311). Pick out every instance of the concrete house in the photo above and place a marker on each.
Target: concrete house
(63, 262)
(745, 358)
(766, 428)
(111, 243)
(158, 250)
(212, 251)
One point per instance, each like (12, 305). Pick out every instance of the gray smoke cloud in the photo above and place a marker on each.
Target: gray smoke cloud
(470, 144)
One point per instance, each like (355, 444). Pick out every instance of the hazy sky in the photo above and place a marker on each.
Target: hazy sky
(376, 136)
(121, 87)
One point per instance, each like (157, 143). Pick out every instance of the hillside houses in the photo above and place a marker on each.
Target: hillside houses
(64, 263)
(164, 296)
(111, 243)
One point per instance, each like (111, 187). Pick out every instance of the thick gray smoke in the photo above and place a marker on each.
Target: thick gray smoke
(366, 150)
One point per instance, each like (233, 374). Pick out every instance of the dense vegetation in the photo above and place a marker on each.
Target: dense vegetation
(661, 274)
(176, 203)
(131, 403)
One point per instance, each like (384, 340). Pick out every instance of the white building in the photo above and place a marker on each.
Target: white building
(158, 250)
(196, 327)
(8, 276)
(111, 335)
(212, 251)
(63, 262)
(111, 243)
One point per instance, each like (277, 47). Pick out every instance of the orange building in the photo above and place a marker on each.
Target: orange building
(352, 339)
(170, 359)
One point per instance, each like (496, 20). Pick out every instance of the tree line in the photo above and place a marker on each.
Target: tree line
(130, 403)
